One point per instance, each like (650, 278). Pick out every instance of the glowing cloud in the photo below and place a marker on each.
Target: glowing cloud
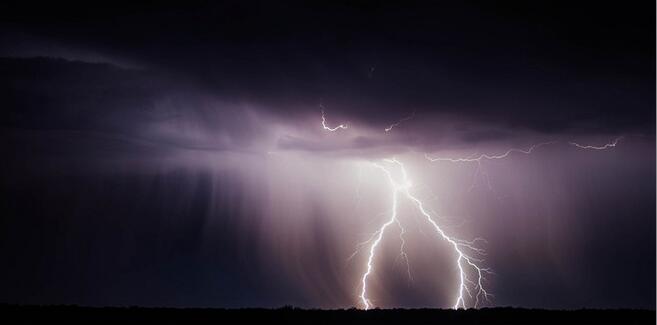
(474, 288)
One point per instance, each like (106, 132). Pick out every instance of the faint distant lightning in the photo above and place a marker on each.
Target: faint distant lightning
(478, 159)
(464, 261)
(606, 146)
(491, 157)
(393, 125)
(529, 150)
(328, 128)
(402, 252)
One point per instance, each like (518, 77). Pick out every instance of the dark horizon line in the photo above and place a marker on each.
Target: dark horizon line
(292, 307)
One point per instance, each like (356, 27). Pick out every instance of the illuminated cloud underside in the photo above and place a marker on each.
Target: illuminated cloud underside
(472, 280)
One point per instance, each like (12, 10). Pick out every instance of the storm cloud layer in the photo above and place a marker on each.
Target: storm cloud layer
(168, 155)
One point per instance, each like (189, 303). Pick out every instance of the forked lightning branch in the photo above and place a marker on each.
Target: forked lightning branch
(468, 257)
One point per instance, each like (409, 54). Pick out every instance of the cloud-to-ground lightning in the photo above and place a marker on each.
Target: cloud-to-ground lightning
(378, 236)
(328, 128)
(606, 146)
(466, 263)
(393, 125)
(471, 275)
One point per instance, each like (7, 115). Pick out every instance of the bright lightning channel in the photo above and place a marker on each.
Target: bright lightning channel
(328, 128)
(474, 288)
(466, 264)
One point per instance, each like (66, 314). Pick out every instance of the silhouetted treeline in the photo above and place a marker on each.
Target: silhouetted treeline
(13, 314)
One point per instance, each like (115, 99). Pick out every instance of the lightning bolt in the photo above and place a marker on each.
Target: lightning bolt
(393, 125)
(379, 236)
(472, 276)
(466, 263)
(604, 147)
(478, 160)
(328, 128)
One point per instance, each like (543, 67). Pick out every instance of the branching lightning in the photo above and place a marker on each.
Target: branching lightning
(479, 158)
(472, 276)
(466, 263)
(472, 290)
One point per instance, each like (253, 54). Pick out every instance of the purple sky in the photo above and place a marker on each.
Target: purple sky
(178, 158)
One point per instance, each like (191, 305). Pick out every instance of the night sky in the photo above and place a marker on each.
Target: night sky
(159, 154)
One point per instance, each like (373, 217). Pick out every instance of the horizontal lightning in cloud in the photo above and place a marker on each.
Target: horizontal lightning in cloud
(478, 160)
(328, 128)
(604, 147)
(393, 125)
(491, 157)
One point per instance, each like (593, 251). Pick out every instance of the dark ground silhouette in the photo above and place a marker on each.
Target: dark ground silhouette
(13, 314)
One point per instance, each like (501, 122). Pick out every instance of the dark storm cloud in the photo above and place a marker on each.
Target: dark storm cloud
(67, 100)
(123, 125)
(50, 93)
(550, 68)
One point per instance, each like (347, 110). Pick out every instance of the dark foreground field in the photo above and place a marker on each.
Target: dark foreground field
(11, 314)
